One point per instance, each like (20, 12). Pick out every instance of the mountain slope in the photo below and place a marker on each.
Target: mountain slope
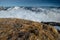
(20, 29)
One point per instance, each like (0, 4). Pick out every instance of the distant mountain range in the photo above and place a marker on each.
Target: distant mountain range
(29, 8)
(45, 14)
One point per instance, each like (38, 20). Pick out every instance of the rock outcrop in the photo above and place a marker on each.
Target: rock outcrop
(20, 29)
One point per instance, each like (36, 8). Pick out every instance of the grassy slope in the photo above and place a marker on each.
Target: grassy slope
(20, 29)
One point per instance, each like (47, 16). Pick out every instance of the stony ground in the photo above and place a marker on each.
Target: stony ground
(19, 29)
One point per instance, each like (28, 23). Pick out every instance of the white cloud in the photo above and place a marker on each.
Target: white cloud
(51, 14)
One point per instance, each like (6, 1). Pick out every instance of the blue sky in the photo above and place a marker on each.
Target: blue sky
(29, 2)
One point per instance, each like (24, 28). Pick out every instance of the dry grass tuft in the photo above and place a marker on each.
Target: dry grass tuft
(19, 29)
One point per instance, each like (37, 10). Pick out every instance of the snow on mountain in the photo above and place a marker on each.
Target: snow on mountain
(34, 14)
(57, 27)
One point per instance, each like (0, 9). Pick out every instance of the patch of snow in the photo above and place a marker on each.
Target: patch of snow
(57, 27)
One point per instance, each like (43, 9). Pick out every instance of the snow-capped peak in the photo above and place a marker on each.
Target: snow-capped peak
(16, 7)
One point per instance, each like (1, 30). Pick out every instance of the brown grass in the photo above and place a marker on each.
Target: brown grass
(20, 29)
